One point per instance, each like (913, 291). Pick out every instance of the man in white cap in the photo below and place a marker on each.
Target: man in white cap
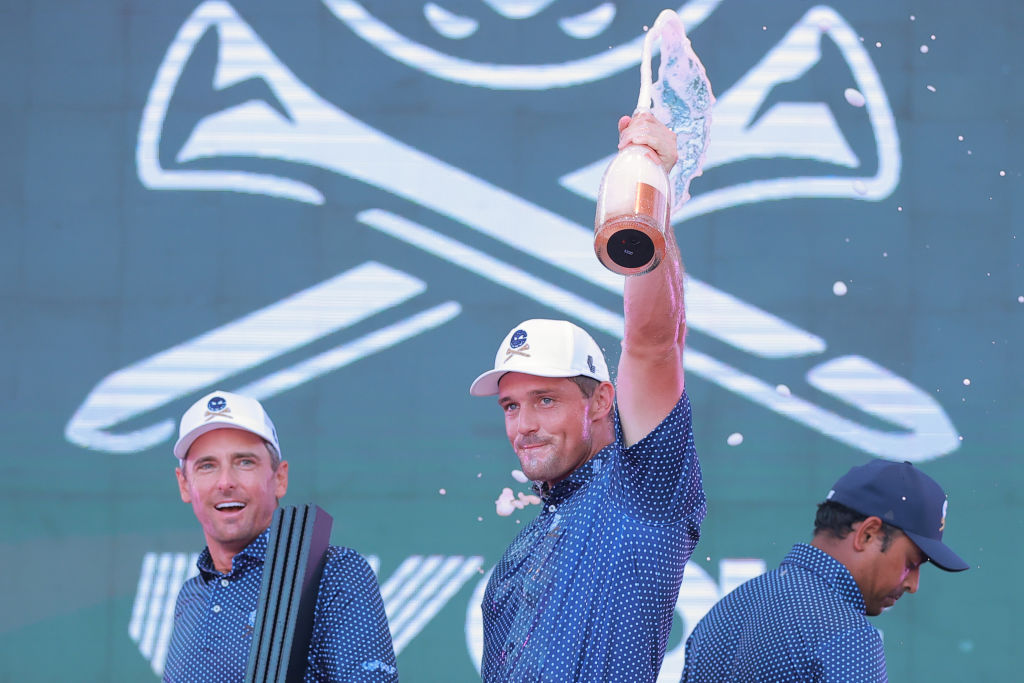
(231, 472)
(586, 592)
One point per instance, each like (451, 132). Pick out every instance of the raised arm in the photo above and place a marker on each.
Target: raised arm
(650, 376)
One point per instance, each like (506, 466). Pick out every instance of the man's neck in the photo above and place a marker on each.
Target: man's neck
(223, 555)
(838, 549)
(600, 442)
(222, 559)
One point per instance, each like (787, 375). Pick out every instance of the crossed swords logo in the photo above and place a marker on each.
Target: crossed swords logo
(522, 351)
(314, 132)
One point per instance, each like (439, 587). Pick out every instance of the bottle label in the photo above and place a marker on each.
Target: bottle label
(650, 202)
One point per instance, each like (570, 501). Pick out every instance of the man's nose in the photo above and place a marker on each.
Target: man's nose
(527, 421)
(226, 479)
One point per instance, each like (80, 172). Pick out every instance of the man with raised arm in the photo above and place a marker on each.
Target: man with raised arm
(586, 592)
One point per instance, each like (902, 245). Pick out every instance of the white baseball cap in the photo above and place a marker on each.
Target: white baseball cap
(221, 410)
(545, 348)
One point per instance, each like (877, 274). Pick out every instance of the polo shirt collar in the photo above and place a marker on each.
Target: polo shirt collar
(251, 555)
(577, 479)
(830, 570)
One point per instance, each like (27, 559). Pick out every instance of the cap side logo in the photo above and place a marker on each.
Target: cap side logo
(217, 407)
(590, 363)
(942, 522)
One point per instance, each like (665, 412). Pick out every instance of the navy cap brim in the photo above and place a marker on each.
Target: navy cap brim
(938, 553)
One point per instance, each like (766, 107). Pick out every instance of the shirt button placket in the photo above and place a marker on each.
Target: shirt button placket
(216, 609)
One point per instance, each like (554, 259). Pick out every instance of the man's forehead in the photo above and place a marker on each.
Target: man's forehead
(522, 382)
(227, 440)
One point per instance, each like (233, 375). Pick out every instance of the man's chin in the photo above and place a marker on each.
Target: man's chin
(535, 471)
(881, 608)
(531, 474)
(888, 603)
(233, 533)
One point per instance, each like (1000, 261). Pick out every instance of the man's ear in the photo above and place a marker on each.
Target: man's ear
(281, 479)
(186, 497)
(867, 532)
(602, 401)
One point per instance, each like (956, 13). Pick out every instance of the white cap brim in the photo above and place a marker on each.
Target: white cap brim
(487, 383)
(185, 442)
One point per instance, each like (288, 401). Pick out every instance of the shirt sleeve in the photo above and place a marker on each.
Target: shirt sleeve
(854, 656)
(188, 614)
(660, 479)
(351, 639)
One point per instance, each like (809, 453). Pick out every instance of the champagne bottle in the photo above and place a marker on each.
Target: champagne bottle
(632, 213)
(637, 195)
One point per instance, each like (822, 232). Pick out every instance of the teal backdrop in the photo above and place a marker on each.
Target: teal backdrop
(341, 207)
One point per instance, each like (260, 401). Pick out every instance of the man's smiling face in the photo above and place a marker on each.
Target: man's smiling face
(229, 479)
(550, 424)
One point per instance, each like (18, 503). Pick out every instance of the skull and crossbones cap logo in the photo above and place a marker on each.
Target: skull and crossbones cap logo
(545, 348)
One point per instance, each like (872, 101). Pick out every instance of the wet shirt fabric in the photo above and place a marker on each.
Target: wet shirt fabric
(215, 616)
(586, 592)
(804, 621)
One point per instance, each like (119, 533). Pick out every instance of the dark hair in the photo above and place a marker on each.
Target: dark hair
(275, 457)
(837, 520)
(587, 385)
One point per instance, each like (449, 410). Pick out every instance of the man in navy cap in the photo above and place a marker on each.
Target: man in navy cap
(805, 621)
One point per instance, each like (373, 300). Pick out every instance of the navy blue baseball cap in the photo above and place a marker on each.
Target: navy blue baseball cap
(901, 495)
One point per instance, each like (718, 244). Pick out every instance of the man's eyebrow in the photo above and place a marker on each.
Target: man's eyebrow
(246, 454)
(550, 389)
(235, 454)
(532, 392)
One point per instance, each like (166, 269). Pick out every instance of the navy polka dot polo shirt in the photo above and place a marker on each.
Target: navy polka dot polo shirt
(801, 622)
(586, 592)
(215, 615)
